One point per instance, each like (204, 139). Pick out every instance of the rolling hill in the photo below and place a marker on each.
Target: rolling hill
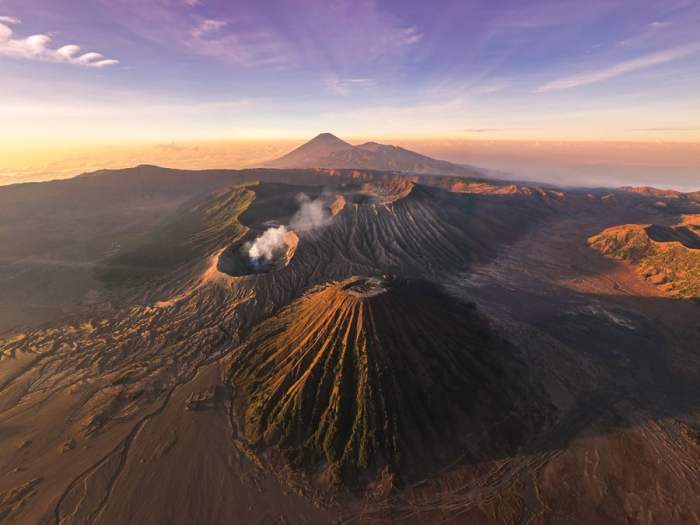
(667, 256)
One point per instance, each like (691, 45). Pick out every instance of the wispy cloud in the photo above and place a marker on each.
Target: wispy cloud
(495, 130)
(243, 46)
(488, 88)
(37, 47)
(208, 27)
(410, 118)
(119, 107)
(407, 36)
(344, 86)
(667, 129)
(344, 36)
(621, 68)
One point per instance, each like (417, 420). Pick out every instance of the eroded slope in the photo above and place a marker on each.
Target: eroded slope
(368, 373)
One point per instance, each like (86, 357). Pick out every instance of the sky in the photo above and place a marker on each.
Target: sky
(109, 73)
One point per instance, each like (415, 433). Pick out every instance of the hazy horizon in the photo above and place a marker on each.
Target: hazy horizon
(564, 163)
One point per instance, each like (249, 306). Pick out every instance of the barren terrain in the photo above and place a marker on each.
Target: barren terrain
(559, 385)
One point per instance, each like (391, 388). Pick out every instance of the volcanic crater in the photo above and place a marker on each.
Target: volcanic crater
(237, 260)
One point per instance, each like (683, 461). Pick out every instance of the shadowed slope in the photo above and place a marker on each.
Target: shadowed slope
(197, 227)
(393, 158)
(688, 236)
(368, 373)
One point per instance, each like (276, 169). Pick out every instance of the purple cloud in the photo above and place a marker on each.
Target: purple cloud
(37, 47)
(297, 33)
(621, 68)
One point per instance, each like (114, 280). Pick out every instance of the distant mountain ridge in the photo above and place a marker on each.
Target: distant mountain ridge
(328, 151)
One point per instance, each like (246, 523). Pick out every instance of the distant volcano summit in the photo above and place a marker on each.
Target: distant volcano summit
(328, 151)
(310, 154)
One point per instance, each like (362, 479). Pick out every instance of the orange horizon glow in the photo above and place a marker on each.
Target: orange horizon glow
(583, 161)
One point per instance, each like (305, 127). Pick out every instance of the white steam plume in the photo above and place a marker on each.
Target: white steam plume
(267, 246)
(312, 214)
(271, 244)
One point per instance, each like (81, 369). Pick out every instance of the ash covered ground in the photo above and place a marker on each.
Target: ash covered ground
(415, 349)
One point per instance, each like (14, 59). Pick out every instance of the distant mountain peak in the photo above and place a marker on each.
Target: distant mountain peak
(308, 154)
(326, 140)
(328, 151)
(326, 136)
(371, 146)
